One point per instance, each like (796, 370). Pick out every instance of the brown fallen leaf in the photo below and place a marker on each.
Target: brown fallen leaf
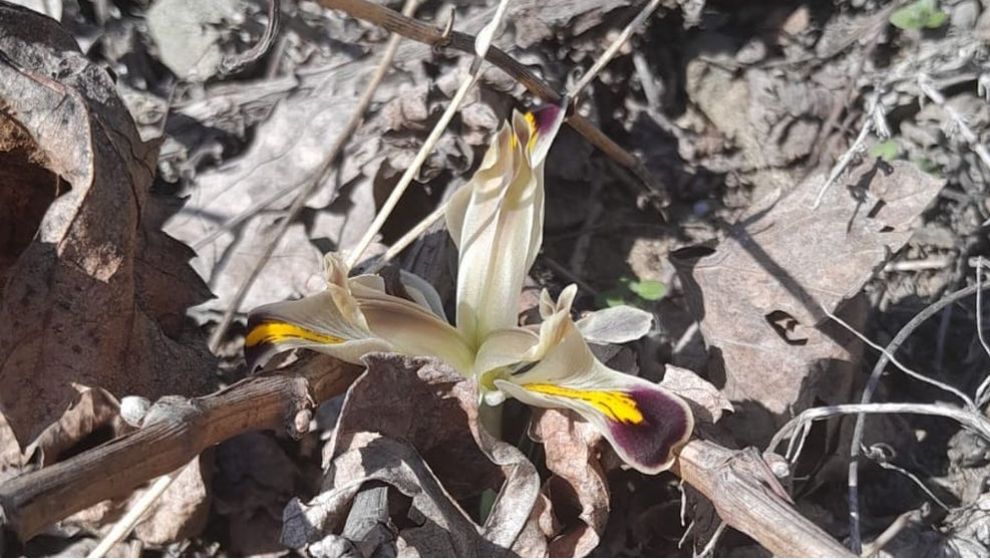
(429, 405)
(180, 513)
(578, 489)
(444, 455)
(289, 149)
(92, 410)
(444, 529)
(760, 295)
(700, 394)
(94, 294)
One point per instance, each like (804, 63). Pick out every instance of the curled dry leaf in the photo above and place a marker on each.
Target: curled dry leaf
(578, 484)
(760, 295)
(443, 528)
(698, 392)
(444, 456)
(93, 293)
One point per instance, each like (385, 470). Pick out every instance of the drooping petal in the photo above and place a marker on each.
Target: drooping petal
(315, 322)
(412, 329)
(352, 317)
(644, 423)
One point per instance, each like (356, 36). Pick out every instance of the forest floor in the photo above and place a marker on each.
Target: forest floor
(774, 167)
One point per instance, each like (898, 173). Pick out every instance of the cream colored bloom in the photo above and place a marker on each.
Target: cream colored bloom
(496, 221)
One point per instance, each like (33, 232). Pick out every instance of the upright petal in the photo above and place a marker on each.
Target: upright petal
(493, 221)
(496, 221)
(644, 423)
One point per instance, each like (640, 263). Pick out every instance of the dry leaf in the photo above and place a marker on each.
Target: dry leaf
(427, 404)
(578, 484)
(446, 530)
(536, 21)
(445, 455)
(696, 391)
(759, 296)
(180, 513)
(188, 34)
(90, 411)
(85, 253)
(288, 150)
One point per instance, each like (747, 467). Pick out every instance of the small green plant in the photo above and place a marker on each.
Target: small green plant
(922, 14)
(928, 166)
(888, 150)
(633, 292)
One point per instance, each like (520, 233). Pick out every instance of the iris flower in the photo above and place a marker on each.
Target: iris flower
(496, 222)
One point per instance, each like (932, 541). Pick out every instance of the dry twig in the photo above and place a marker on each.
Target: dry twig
(126, 523)
(612, 49)
(175, 430)
(971, 420)
(871, 386)
(748, 497)
(418, 31)
(481, 49)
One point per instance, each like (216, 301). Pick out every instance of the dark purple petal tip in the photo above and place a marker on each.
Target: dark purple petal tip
(649, 444)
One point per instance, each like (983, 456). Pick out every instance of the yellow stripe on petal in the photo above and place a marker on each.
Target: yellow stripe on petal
(533, 130)
(276, 332)
(617, 406)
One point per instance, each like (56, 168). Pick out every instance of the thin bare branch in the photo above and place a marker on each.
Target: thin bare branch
(418, 31)
(612, 49)
(973, 421)
(126, 523)
(481, 49)
(871, 386)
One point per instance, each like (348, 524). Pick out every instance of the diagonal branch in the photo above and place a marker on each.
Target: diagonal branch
(175, 430)
(424, 33)
(742, 489)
